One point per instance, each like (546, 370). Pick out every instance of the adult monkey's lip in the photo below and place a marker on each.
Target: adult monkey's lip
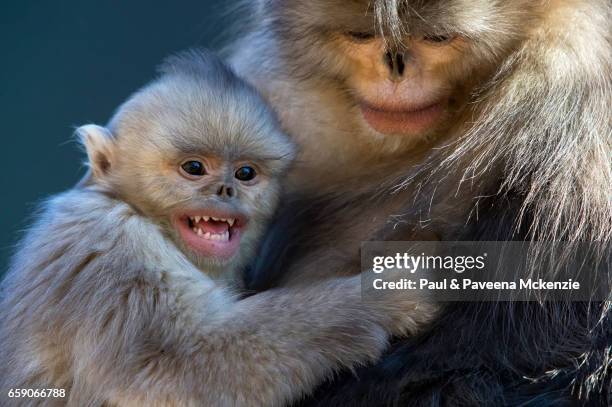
(411, 120)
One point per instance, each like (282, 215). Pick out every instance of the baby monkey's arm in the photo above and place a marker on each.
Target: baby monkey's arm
(265, 350)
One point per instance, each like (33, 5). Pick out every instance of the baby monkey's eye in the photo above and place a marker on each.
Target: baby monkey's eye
(245, 173)
(193, 168)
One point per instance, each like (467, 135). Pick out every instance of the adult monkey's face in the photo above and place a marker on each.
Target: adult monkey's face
(408, 88)
(406, 68)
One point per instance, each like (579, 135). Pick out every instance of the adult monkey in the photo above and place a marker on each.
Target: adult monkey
(447, 119)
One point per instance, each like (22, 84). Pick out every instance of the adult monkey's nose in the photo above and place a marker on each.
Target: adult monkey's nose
(394, 60)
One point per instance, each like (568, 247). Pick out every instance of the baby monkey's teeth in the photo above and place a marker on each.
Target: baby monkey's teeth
(196, 219)
(222, 237)
(194, 224)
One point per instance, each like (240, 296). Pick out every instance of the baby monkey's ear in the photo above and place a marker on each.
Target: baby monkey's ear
(99, 144)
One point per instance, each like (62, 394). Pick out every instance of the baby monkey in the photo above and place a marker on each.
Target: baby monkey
(123, 292)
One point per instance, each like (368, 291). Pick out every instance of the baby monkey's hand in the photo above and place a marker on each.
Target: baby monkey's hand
(403, 311)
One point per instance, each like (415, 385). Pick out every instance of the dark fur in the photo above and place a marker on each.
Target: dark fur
(477, 353)
(490, 353)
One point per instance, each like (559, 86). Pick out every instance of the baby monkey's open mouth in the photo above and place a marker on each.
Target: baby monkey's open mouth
(210, 227)
(211, 234)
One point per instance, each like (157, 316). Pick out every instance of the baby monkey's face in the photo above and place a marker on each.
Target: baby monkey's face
(213, 200)
(203, 161)
(223, 204)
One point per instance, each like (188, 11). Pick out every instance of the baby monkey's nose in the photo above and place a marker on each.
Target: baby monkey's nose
(226, 191)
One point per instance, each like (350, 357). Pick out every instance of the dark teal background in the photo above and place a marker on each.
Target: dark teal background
(66, 63)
